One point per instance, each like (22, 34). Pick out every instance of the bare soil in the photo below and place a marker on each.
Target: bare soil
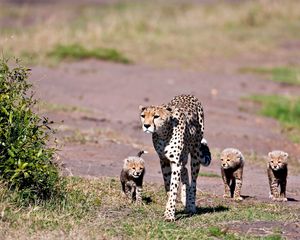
(107, 97)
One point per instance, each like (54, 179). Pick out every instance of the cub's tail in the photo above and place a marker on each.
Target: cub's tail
(140, 153)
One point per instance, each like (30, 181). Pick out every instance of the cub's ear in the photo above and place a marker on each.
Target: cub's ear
(142, 108)
(270, 154)
(285, 154)
(237, 152)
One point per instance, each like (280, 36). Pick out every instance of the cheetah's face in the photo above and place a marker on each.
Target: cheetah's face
(277, 160)
(135, 169)
(154, 117)
(230, 159)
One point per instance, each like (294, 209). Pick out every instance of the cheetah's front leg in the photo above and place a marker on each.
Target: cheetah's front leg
(175, 180)
(166, 171)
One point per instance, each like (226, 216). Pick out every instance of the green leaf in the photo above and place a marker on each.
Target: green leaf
(24, 165)
(40, 153)
(16, 174)
(10, 117)
(11, 153)
(5, 111)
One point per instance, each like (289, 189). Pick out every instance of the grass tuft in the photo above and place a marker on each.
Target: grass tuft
(285, 109)
(288, 75)
(78, 52)
(209, 174)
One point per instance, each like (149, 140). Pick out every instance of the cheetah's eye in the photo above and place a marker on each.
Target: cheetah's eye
(156, 116)
(133, 168)
(272, 161)
(142, 116)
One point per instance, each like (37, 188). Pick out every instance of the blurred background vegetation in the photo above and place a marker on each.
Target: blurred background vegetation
(162, 33)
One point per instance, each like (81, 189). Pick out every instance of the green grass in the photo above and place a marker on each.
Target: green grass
(78, 52)
(288, 75)
(94, 208)
(53, 107)
(284, 109)
(209, 174)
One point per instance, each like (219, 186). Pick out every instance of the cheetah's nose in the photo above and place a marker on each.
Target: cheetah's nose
(147, 125)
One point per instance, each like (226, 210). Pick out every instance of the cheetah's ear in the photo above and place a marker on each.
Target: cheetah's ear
(285, 155)
(142, 108)
(170, 108)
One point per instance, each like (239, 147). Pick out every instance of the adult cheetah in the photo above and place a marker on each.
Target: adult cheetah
(177, 130)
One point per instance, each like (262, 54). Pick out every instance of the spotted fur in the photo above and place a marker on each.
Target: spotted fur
(277, 174)
(177, 130)
(232, 164)
(132, 176)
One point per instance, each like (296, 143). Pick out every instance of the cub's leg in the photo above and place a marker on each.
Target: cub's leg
(283, 191)
(139, 191)
(273, 182)
(128, 191)
(238, 184)
(123, 188)
(226, 182)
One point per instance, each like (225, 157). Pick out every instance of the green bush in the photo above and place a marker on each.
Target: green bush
(25, 159)
(77, 52)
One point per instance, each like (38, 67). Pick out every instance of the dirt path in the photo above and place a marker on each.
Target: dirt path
(104, 127)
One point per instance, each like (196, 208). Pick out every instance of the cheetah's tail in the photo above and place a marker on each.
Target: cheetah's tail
(140, 153)
(206, 155)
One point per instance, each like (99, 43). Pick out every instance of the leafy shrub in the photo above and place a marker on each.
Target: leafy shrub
(25, 159)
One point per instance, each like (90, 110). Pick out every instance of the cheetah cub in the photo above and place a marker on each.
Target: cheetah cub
(277, 173)
(132, 176)
(232, 164)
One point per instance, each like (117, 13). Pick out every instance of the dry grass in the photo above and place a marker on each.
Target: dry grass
(159, 32)
(95, 209)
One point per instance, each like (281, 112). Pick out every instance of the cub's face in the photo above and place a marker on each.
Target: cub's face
(277, 160)
(134, 168)
(230, 158)
(154, 117)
